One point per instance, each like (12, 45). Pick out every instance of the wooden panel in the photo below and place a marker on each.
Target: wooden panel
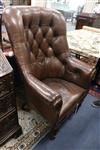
(9, 125)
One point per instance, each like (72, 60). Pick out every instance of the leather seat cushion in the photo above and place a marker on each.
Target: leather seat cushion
(70, 92)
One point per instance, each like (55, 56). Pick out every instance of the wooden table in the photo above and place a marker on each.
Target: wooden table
(85, 19)
(85, 45)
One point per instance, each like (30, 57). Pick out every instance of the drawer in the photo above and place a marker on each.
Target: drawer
(7, 103)
(6, 84)
(8, 123)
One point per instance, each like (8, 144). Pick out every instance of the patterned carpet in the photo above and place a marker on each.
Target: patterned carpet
(34, 128)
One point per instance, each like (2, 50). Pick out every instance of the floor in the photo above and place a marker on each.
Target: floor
(81, 132)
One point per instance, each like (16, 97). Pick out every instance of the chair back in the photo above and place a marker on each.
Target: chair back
(39, 34)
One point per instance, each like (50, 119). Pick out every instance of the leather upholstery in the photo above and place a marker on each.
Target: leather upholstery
(55, 82)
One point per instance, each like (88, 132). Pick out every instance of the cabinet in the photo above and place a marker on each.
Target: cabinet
(85, 19)
(9, 126)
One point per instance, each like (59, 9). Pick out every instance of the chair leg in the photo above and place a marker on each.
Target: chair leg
(55, 129)
(53, 133)
(25, 107)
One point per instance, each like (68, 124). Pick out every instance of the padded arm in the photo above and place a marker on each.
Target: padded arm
(47, 101)
(41, 90)
(79, 72)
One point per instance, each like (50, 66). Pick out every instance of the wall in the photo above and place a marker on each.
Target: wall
(6, 2)
(21, 2)
(40, 3)
(74, 5)
(16, 2)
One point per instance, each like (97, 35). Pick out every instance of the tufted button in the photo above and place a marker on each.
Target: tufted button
(44, 46)
(50, 52)
(29, 36)
(49, 35)
(34, 48)
(39, 36)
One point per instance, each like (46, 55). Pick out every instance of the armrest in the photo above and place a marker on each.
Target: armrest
(41, 90)
(79, 72)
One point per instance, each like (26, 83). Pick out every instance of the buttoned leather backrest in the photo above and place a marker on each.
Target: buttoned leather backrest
(43, 32)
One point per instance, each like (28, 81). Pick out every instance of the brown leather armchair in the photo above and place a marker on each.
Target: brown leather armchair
(55, 82)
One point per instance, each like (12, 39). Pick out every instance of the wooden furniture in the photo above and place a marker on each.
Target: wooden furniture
(9, 126)
(85, 19)
(85, 43)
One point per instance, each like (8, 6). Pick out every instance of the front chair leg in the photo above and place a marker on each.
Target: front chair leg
(25, 107)
(53, 133)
